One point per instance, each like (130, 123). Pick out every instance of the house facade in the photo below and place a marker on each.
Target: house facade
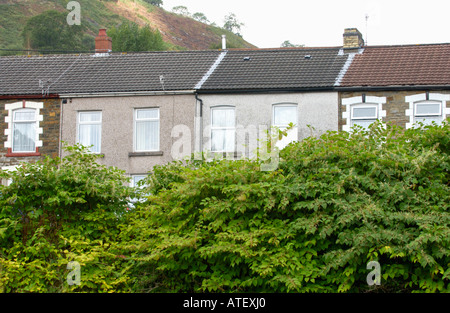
(139, 110)
(252, 91)
(26, 135)
(135, 110)
(29, 114)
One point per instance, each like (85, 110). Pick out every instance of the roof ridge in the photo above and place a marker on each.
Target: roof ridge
(409, 45)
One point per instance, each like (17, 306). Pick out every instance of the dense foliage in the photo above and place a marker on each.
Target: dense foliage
(57, 211)
(49, 32)
(333, 205)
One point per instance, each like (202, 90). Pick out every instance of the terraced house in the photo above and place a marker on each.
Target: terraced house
(141, 109)
(400, 84)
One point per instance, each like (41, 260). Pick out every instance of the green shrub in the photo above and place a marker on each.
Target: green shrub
(334, 204)
(60, 210)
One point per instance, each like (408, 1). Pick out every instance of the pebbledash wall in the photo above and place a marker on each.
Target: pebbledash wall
(48, 130)
(395, 107)
(176, 124)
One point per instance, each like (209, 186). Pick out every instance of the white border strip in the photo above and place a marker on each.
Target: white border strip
(211, 70)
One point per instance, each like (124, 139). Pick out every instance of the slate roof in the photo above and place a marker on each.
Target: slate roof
(234, 70)
(406, 65)
(86, 73)
(288, 68)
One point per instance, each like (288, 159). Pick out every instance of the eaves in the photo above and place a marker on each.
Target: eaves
(392, 88)
(126, 94)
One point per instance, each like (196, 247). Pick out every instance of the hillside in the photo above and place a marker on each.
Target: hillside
(178, 31)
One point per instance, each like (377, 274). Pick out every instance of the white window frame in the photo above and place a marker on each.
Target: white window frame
(11, 168)
(364, 106)
(213, 128)
(354, 119)
(9, 120)
(133, 183)
(32, 121)
(360, 101)
(293, 132)
(136, 120)
(427, 114)
(90, 123)
(421, 98)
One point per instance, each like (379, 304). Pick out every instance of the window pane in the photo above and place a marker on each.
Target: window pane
(364, 123)
(147, 136)
(24, 115)
(147, 113)
(90, 117)
(223, 117)
(429, 120)
(364, 112)
(222, 140)
(428, 108)
(292, 135)
(137, 178)
(24, 135)
(283, 115)
(90, 135)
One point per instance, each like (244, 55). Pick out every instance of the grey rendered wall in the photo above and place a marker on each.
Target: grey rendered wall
(117, 127)
(320, 110)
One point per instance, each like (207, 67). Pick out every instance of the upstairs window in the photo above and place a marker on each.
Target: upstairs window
(428, 112)
(90, 130)
(24, 130)
(364, 115)
(283, 115)
(223, 129)
(427, 108)
(362, 110)
(146, 130)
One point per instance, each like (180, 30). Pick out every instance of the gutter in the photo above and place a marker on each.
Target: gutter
(392, 88)
(37, 96)
(266, 90)
(126, 94)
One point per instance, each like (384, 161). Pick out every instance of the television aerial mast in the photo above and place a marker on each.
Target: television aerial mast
(367, 19)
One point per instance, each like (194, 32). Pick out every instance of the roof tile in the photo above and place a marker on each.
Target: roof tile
(400, 66)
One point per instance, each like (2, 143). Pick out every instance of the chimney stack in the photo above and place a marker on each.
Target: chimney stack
(224, 42)
(103, 43)
(353, 39)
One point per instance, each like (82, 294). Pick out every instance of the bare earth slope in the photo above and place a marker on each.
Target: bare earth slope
(179, 31)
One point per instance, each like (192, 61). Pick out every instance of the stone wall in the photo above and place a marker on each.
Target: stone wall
(395, 106)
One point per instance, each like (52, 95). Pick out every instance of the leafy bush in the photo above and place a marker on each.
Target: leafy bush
(57, 211)
(334, 204)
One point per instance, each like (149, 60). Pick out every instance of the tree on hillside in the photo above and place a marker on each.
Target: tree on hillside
(232, 24)
(157, 3)
(288, 44)
(129, 37)
(50, 31)
(198, 16)
(181, 10)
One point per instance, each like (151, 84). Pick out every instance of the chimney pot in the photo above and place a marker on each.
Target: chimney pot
(103, 43)
(353, 39)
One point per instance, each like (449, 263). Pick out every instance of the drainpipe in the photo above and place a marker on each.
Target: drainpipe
(200, 143)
